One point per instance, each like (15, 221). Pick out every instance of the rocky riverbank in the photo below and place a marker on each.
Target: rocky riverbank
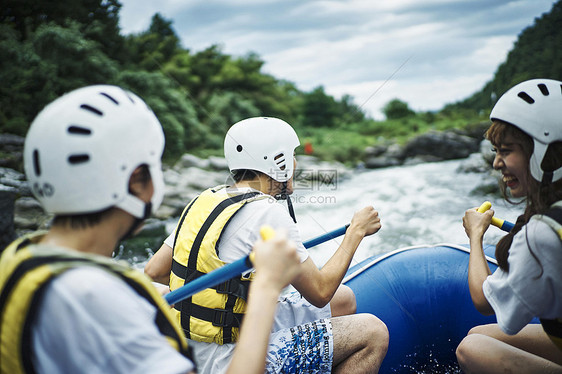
(21, 213)
(429, 147)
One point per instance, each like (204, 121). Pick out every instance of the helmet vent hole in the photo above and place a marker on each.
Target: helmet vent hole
(525, 96)
(239, 148)
(543, 89)
(36, 165)
(110, 98)
(280, 161)
(77, 130)
(91, 109)
(78, 159)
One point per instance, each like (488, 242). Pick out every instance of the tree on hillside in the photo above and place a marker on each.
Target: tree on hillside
(177, 114)
(270, 96)
(153, 48)
(53, 61)
(99, 19)
(535, 54)
(228, 108)
(396, 109)
(206, 66)
(349, 111)
(319, 109)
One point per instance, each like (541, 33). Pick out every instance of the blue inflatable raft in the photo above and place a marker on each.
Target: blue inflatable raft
(421, 294)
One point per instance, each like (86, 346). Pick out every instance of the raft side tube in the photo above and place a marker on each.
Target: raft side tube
(421, 293)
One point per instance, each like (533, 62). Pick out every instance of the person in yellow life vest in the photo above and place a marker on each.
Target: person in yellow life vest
(526, 132)
(315, 329)
(93, 159)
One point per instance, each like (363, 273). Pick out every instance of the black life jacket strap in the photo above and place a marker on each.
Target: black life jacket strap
(555, 213)
(218, 317)
(552, 327)
(234, 286)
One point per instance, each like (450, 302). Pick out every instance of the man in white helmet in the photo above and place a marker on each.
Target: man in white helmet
(92, 158)
(218, 226)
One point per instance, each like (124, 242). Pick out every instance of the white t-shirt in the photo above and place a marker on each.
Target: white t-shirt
(524, 292)
(90, 321)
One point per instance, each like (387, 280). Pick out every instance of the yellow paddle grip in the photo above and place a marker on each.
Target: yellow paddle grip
(484, 207)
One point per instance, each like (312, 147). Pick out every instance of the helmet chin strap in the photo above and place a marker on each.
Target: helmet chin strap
(284, 196)
(140, 210)
(138, 221)
(544, 177)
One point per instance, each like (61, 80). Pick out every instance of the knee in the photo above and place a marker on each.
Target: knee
(344, 302)
(466, 350)
(476, 330)
(375, 331)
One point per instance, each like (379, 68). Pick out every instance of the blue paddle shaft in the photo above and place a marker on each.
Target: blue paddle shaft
(324, 238)
(211, 279)
(234, 269)
(507, 226)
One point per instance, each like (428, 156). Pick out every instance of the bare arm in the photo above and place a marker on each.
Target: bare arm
(475, 225)
(276, 264)
(319, 285)
(159, 266)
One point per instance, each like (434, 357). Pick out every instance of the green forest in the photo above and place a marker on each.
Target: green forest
(50, 47)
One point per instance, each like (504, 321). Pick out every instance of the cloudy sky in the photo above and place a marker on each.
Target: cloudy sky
(427, 53)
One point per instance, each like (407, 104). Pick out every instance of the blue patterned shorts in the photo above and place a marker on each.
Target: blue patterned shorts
(306, 348)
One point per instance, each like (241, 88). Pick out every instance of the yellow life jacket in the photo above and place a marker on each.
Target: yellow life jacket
(26, 268)
(553, 218)
(214, 314)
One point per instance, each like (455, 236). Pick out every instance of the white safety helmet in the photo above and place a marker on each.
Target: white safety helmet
(82, 148)
(535, 107)
(264, 144)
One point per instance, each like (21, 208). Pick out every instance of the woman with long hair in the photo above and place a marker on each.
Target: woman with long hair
(526, 133)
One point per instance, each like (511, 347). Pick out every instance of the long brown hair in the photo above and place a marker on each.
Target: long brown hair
(539, 196)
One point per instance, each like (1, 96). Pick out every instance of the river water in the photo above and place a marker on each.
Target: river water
(419, 204)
